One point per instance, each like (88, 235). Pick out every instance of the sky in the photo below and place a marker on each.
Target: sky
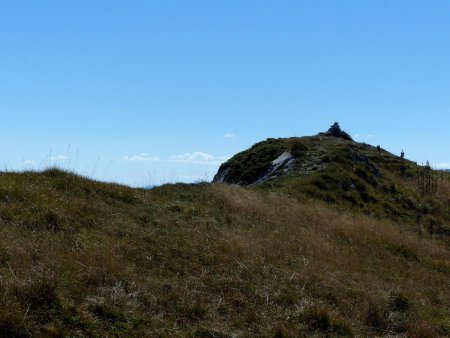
(152, 92)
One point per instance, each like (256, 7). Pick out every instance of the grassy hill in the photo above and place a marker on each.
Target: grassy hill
(297, 255)
(345, 173)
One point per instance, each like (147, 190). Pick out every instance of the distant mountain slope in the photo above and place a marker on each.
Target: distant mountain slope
(332, 167)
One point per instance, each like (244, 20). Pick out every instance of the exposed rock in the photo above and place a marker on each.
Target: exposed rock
(281, 165)
(221, 176)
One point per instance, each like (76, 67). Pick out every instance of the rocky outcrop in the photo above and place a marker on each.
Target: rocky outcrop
(280, 166)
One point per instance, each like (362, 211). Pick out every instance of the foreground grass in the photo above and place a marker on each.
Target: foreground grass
(81, 258)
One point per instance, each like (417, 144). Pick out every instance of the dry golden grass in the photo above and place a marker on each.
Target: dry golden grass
(209, 260)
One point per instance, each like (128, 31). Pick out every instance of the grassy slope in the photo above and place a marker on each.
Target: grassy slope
(82, 258)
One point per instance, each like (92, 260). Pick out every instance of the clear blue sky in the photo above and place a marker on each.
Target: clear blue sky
(147, 92)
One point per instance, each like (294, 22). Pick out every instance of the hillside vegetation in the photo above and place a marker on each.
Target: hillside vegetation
(79, 258)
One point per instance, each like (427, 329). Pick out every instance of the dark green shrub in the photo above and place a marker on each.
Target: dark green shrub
(321, 184)
(399, 302)
(4, 257)
(12, 328)
(195, 313)
(43, 297)
(375, 317)
(319, 319)
(298, 149)
(326, 159)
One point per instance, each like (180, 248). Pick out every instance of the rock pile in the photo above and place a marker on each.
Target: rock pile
(336, 131)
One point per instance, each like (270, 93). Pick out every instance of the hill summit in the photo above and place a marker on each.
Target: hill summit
(332, 167)
(275, 158)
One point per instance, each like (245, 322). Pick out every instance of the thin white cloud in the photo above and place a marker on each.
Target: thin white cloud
(141, 157)
(229, 135)
(195, 156)
(357, 136)
(28, 162)
(199, 157)
(370, 136)
(58, 158)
